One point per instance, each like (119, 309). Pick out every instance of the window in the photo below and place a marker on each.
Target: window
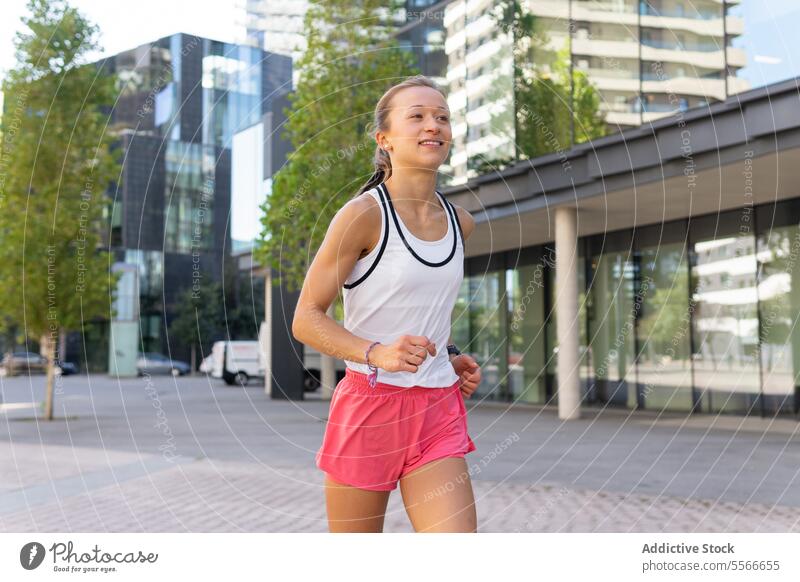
(189, 198)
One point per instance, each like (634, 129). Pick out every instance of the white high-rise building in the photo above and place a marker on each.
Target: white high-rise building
(648, 59)
(275, 26)
(479, 78)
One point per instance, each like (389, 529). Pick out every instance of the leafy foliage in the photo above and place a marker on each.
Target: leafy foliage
(198, 319)
(55, 166)
(351, 60)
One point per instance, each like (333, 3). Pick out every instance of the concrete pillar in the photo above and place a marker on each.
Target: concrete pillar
(569, 392)
(287, 365)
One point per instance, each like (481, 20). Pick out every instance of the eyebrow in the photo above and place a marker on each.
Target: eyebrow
(437, 107)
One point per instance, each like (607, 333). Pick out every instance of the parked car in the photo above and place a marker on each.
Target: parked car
(153, 363)
(23, 363)
(66, 368)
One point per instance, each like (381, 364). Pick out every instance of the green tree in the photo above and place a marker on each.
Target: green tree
(547, 100)
(245, 310)
(351, 60)
(55, 166)
(544, 109)
(518, 24)
(199, 319)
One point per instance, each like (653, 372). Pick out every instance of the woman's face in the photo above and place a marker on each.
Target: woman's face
(419, 132)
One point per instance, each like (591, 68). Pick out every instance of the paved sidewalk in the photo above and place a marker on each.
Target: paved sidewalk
(190, 454)
(205, 495)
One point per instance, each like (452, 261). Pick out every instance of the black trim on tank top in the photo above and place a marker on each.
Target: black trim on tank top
(454, 213)
(405, 242)
(383, 244)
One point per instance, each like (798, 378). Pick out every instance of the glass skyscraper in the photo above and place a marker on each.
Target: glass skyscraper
(180, 101)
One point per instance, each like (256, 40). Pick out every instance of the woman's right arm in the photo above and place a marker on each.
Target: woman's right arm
(349, 233)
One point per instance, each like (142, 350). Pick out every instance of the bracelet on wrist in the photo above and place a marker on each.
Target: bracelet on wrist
(373, 369)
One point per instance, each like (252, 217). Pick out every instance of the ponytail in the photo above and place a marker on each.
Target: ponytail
(383, 169)
(376, 180)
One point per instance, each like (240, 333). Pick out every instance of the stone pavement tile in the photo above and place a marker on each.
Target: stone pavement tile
(200, 496)
(219, 496)
(640, 513)
(28, 464)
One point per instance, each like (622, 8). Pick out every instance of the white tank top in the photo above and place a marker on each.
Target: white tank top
(407, 285)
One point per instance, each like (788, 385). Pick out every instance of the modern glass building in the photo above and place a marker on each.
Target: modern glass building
(682, 239)
(181, 99)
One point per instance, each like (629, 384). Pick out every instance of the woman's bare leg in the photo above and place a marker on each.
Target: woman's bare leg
(438, 497)
(354, 510)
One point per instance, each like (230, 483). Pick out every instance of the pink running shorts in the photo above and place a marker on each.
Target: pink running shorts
(377, 435)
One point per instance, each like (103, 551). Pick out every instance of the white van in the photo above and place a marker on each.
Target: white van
(236, 361)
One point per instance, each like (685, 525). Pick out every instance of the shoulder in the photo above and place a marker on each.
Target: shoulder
(360, 211)
(466, 220)
(359, 221)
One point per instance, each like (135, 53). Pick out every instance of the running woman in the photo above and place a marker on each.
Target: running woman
(397, 252)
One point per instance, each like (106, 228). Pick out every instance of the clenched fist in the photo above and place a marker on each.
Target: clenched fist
(469, 373)
(405, 354)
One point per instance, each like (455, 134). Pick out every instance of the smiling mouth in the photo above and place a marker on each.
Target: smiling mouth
(431, 142)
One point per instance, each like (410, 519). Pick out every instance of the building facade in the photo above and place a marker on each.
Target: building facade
(181, 100)
(422, 33)
(647, 59)
(652, 269)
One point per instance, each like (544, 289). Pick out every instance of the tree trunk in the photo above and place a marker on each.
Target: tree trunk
(328, 369)
(194, 356)
(62, 344)
(48, 345)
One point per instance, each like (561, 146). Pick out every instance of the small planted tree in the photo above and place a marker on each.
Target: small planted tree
(199, 319)
(55, 166)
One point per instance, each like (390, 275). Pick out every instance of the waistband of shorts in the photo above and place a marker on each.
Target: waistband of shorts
(360, 382)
